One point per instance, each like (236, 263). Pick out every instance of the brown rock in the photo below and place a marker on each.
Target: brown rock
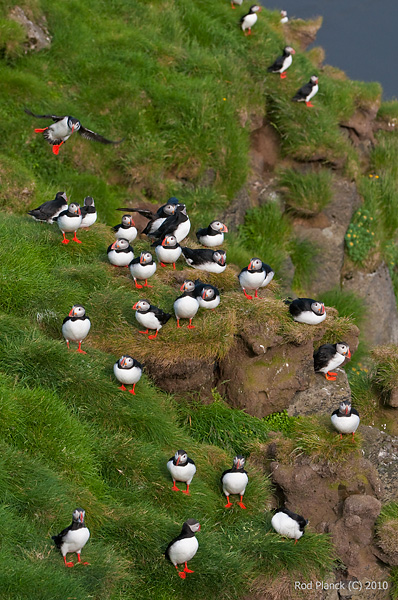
(38, 36)
(302, 33)
(264, 149)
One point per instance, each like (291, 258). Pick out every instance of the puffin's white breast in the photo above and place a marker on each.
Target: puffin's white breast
(66, 223)
(182, 230)
(128, 234)
(286, 526)
(235, 483)
(76, 330)
(140, 271)
(89, 219)
(208, 303)
(129, 376)
(75, 540)
(212, 240)
(168, 255)
(309, 317)
(120, 259)
(345, 424)
(186, 307)
(249, 21)
(251, 281)
(335, 362)
(148, 320)
(183, 550)
(312, 93)
(184, 473)
(286, 63)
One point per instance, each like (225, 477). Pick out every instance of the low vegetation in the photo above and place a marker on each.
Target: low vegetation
(306, 193)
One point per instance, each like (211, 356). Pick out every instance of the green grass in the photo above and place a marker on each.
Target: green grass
(307, 193)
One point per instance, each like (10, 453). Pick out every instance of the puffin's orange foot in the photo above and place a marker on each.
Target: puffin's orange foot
(242, 505)
(228, 505)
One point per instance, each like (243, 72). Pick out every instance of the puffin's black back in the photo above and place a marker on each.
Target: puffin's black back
(323, 355)
(296, 307)
(186, 532)
(298, 518)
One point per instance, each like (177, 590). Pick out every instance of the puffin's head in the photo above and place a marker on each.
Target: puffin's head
(288, 49)
(142, 306)
(74, 209)
(181, 457)
(182, 209)
(62, 195)
(169, 209)
(127, 221)
(343, 349)
(318, 308)
(77, 311)
(78, 515)
(88, 201)
(125, 362)
(169, 240)
(345, 408)
(193, 525)
(283, 13)
(255, 8)
(218, 226)
(145, 258)
(255, 264)
(220, 256)
(187, 286)
(314, 79)
(120, 244)
(239, 461)
(208, 293)
(74, 124)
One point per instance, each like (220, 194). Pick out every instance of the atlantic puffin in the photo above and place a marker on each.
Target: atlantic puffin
(345, 419)
(155, 219)
(127, 371)
(177, 224)
(168, 251)
(74, 537)
(142, 267)
(235, 480)
(247, 21)
(330, 356)
(181, 468)
(207, 295)
(255, 276)
(283, 62)
(186, 306)
(120, 253)
(213, 235)
(63, 127)
(69, 220)
(289, 524)
(75, 326)
(284, 17)
(307, 310)
(184, 547)
(308, 91)
(150, 317)
(212, 261)
(89, 213)
(47, 211)
(126, 229)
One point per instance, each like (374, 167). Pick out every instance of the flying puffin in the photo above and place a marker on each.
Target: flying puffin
(213, 235)
(284, 17)
(47, 211)
(142, 267)
(75, 326)
(126, 230)
(89, 213)
(212, 261)
(74, 537)
(207, 295)
(168, 251)
(330, 356)
(257, 274)
(307, 92)
(237, 2)
(156, 219)
(184, 547)
(63, 127)
(345, 419)
(307, 310)
(127, 371)
(150, 317)
(120, 253)
(283, 62)
(247, 21)
(289, 524)
(177, 224)
(186, 306)
(181, 468)
(69, 220)
(235, 480)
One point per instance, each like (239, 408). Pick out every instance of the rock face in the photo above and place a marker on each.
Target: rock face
(322, 397)
(38, 36)
(382, 451)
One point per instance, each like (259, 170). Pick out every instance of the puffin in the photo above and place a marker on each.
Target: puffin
(186, 306)
(330, 356)
(247, 21)
(89, 213)
(235, 480)
(345, 419)
(213, 235)
(127, 371)
(207, 295)
(47, 211)
(283, 62)
(237, 2)
(284, 17)
(168, 251)
(156, 219)
(69, 220)
(142, 267)
(181, 468)
(257, 274)
(177, 224)
(75, 326)
(184, 547)
(212, 261)
(289, 524)
(63, 127)
(74, 537)
(150, 317)
(120, 253)
(126, 230)
(307, 310)
(308, 91)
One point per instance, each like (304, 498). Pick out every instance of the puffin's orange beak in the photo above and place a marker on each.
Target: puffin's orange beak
(222, 260)
(349, 354)
(114, 245)
(123, 362)
(178, 460)
(81, 517)
(72, 312)
(182, 287)
(164, 243)
(135, 305)
(224, 229)
(204, 294)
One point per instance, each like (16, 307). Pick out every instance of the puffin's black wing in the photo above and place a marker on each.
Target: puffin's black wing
(298, 518)
(168, 226)
(145, 213)
(224, 473)
(53, 117)
(160, 314)
(303, 92)
(45, 211)
(95, 137)
(296, 307)
(277, 65)
(354, 412)
(323, 355)
(202, 232)
(58, 539)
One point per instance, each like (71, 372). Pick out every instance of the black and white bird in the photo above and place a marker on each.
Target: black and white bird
(76, 326)
(120, 253)
(284, 17)
(211, 261)
(283, 62)
(181, 468)
(213, 235)
(47, 211)
(177, 224)
(186, 306)
(255, 276)
(168, 251)
(345, 419)
(89, 213)
(307, 310)
(150, 317)
(184, 547)
(155, 219)
(142, 267)
(308, 91)
(289, 524)
(126, 229)
(329, 357)
(207, 295)
(63, 127)
(69, 220)
(247, 21)
(73, 538)
(235, 480)
(127, 371)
